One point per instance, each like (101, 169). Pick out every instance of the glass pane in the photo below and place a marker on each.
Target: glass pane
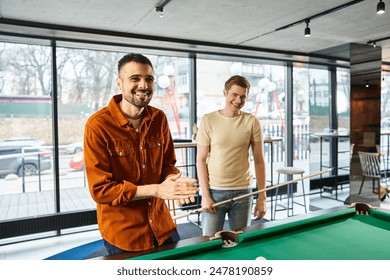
(319, 97)
(86, 82)
(343, 112)
(172, 93)
(301, 117)
(301, 132)
(26, 135)
(385, 125)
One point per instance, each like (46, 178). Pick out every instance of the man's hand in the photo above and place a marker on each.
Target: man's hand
(189, 182)
(180, 189)
(260, 209)
(207, 204)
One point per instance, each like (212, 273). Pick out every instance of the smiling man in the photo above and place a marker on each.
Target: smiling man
(130, 164)
(223, 141)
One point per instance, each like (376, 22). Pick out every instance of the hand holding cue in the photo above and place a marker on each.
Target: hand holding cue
(250, 194)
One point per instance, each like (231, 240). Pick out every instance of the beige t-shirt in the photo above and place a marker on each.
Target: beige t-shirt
(229, 140)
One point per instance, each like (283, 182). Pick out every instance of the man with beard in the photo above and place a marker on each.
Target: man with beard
(223, 142)
(130, 164)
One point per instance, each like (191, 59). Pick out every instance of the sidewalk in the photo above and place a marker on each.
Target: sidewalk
(30, 204)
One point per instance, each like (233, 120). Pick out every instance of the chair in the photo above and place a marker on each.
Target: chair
(289, 170)
(370, 164)
(385, 159)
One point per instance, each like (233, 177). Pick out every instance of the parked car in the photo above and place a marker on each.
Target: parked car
(23, 156)
(74, 148)
(76, 162)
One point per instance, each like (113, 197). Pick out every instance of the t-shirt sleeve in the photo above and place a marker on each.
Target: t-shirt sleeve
(203, 135)
(257, 134)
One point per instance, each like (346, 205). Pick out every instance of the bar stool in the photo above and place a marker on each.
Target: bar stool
(289, 170)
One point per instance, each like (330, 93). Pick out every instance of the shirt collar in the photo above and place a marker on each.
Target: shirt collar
(117, 114)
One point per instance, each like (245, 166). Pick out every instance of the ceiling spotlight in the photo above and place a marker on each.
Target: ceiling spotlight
(380, 8)
(372, 43)
(367, 85)
(307, 29)
(160, 10)
(160, 6)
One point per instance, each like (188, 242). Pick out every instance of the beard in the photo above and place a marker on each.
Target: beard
(139, 101)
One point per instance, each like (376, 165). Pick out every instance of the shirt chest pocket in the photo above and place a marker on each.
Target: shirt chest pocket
(124, 163)
(155, 154)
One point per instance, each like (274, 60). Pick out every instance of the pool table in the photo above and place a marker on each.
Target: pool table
(332, 234)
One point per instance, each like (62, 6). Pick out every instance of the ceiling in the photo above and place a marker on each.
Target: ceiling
(275, 26)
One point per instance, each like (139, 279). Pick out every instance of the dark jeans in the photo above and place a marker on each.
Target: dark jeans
(112, 250)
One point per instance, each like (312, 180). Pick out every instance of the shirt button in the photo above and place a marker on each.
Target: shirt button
(136, 130)
(143, 166)
(140, 147)
(150, 221)
(149, 203)
(120, 154)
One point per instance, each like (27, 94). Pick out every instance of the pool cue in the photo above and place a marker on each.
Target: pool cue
(196, 211)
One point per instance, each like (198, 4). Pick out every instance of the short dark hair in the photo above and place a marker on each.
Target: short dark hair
(133, 57)
(237, 80)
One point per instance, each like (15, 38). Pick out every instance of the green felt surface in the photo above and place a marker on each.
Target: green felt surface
(342, 235)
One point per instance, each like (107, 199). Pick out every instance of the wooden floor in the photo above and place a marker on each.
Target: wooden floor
(32, 204)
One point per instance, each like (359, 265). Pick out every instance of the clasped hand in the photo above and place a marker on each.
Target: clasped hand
(179, 188)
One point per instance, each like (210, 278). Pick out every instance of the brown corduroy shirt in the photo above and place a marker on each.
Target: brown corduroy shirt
(118, 158)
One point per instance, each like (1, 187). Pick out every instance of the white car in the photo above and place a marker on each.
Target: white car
(74, 148)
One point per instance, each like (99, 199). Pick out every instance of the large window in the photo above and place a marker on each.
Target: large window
(32, 110)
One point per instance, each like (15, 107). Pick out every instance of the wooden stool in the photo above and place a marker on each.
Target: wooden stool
(290, 191)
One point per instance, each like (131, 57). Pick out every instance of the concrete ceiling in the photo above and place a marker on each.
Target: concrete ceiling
(276, 25)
